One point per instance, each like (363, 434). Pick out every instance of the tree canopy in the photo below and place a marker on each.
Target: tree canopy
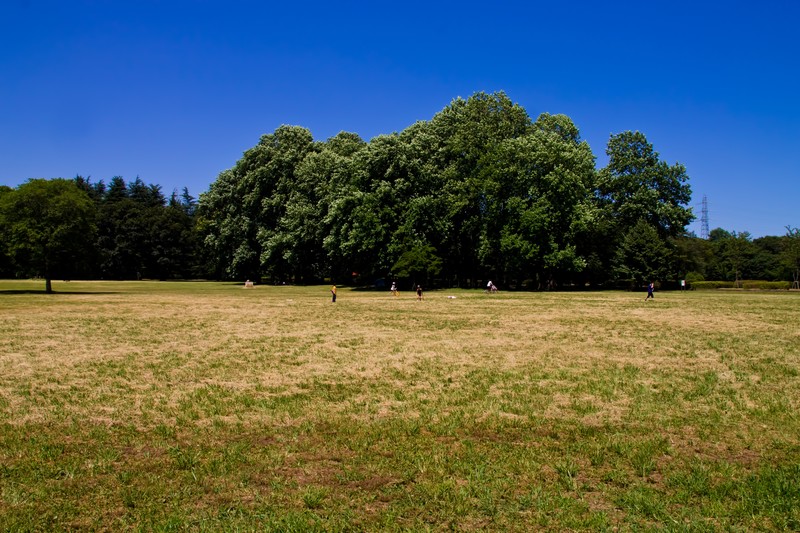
(480, 190)
(48, 227)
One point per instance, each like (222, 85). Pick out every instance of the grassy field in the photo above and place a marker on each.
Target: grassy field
(207, 407)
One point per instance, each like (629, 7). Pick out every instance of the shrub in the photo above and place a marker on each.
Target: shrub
(706, 285)
(694, 277)
(766, 285)
(744, 284)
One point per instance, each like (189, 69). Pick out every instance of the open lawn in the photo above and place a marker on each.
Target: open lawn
(207, 406)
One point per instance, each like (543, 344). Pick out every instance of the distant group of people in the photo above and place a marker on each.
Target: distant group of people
(393, 290)
(490, 287)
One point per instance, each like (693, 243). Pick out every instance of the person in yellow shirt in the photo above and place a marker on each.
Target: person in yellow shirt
(333, 294)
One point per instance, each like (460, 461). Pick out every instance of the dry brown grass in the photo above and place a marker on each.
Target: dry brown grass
(571, 392)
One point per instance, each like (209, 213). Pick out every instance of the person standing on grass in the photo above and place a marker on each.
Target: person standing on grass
(394, 288)
(649, 292)
(419, 292)
(333, 294)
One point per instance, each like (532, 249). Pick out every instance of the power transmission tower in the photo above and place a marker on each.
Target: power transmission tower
(704, 219)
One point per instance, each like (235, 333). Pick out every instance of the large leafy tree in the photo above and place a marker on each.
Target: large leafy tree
(376, 216)
(468, 131)
(240, 213)
(296, 246)
(636, 186)
(48, 227)
(538, 200)
(423, 215)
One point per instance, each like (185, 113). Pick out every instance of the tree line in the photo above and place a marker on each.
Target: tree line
(76, 229)
(480, 191)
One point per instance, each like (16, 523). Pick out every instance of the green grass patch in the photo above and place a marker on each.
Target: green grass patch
(204, 406)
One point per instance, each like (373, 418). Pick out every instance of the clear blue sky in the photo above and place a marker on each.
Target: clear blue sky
(174, 91)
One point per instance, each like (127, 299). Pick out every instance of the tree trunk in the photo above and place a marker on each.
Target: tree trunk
(48, 285)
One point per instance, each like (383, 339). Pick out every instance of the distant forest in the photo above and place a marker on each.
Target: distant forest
(480, 191)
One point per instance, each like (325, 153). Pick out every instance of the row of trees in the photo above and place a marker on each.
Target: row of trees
(481, 191)
(735, 256)
(67, 229)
